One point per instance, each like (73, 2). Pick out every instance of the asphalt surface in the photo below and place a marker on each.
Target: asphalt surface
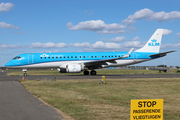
(4, 77)
(18, 104)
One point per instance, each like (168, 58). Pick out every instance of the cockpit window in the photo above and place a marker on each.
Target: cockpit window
(17, 57)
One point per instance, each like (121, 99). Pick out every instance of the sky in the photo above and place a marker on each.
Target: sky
(34, 26)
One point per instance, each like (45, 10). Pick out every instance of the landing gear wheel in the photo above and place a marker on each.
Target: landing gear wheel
(93, 72)
(25, 74)
(86, 72)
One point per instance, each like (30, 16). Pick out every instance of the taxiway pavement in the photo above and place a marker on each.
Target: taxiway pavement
(16, 103)
(4, 77)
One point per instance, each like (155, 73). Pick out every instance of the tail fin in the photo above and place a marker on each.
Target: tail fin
(154, 43)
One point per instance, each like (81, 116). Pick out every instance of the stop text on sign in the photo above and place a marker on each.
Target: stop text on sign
(147, 109)
(146, 103)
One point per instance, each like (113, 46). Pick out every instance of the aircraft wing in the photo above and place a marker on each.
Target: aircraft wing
(100, 62)
(162, 54)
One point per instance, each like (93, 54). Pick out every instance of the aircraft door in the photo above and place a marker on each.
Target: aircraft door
(134, 57)
(30, 58)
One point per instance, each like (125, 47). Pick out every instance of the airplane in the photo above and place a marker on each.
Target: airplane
(76, 62)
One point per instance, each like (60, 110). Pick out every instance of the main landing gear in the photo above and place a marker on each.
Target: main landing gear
(86, 72)
(93, 72)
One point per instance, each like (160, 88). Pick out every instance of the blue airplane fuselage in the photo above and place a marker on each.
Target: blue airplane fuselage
(28, 60)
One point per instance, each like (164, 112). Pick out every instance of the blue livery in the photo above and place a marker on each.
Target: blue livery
(83, 61)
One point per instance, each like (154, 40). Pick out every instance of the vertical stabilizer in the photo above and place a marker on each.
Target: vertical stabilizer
(154, 43)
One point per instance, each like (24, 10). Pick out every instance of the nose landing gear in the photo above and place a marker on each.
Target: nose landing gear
(25, 72)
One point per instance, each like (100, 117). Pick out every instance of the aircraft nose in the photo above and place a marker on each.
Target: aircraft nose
(9, 64)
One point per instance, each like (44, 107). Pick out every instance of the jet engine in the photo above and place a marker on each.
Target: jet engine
(72, 68)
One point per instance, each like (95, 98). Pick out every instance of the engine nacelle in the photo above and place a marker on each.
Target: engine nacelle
(73, 68)
(62, 71)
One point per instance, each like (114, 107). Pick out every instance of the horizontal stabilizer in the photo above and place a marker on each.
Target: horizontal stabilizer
(162, 54)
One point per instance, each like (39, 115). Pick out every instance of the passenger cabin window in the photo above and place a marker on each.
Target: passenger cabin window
(95, 56)
(88, 56)
(71, 56)
(41, 57)
(49, 57)
(64, 57)
(79, 56)
(56, 57)
(84, 56)
(102, 56)
(112, 55)
(53, 57)
(105, 56)
(60, 57)
(44, 57)
(109, 56)
(75, 56)
(92, 56)
(68, 57)
(115, 56)
(119, 56)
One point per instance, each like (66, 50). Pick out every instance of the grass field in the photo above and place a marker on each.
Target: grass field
(99, 72)
(88, 100)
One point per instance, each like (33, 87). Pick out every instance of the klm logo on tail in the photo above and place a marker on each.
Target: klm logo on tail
(153, 43)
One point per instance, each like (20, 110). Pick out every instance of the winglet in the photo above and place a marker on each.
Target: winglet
(127, 55)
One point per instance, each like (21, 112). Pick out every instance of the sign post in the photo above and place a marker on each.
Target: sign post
(147, 109)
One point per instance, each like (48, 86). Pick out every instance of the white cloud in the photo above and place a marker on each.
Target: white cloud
(135, 44)
(166, 32)
(50, 51)
(151, 15)
(97, 46)
(4, 7)
(117, 39)
(6, 46)
(120, 39)
(103, 46)
(111, 32)
(136, 38)
(6, 25)
(98, 26)
(132, 28)
(85, 44)
(171, 46)
(178, 34)
(47, 45)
